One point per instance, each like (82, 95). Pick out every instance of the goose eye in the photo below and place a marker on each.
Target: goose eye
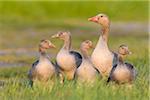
(44, 41)
(101, 16)
(87, 42)
(60, 34)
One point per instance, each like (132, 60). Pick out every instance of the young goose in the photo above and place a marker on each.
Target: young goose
(102, 57)
(42, 69)
(86, 72)
(67, 60)
(122, 72)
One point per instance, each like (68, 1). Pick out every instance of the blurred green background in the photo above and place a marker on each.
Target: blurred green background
(24, 23)
(29, 14)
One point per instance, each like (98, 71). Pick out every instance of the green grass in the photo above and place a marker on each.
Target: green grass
(16, 82)
(24, 24)
(34, 14)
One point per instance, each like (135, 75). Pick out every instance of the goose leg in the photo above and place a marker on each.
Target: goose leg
(70, 74)
(61, 76)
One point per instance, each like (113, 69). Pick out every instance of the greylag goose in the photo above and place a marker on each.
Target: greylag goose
(86, 71)
(67, 60)
(102, 57)
(122, 72)
(42, 69)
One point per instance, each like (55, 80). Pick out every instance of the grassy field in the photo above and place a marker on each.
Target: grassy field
(24, 24)
(51, 14)
(16, 83)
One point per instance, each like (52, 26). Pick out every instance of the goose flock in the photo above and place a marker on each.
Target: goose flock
(71, 65)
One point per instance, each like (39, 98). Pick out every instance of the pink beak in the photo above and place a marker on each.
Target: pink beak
(93, 19)
(52, 46)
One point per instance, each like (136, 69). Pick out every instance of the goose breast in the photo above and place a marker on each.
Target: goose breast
(45, 68)
(65, 60)
(102, 57)
(122, 74)
(86, 71)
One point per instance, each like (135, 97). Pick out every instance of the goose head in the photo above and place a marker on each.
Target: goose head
(45, 44)
(87, 44)
(62, 35)
(101, 19)
(124, 50)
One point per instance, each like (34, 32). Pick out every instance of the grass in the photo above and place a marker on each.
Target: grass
(16, 82)
(34, 14)
(24, 24)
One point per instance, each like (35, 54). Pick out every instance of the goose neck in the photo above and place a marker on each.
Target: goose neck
(42, 52)
(84, 53)
(121, 59)
(105, 33)
(67, 44)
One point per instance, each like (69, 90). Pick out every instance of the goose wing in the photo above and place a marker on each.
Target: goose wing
(78, 57)
(114, 64)
(31, 73)
(111, 73)
(35, 63)
(57, 67)
(130, 66)
(115, 58)
(32, 70)
(132, 69)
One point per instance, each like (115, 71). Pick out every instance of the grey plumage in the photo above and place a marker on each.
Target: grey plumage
(35, 63)
(67, 60)
(115, 58)
(31, 73)
(57, 67)
(42, 69)
(78, 58)
(122, 72)
(86, 72)
(130, 68)
(115, 61)
(111, 73)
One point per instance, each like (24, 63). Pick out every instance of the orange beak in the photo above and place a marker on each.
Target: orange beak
(91, 46)
(129, 52)
(52, 46)
(93, 19)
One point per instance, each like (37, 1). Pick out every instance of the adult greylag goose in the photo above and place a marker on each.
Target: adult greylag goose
(102, 57)
(42, 69)
(66, 59)
(122, 72)
(86, 71)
